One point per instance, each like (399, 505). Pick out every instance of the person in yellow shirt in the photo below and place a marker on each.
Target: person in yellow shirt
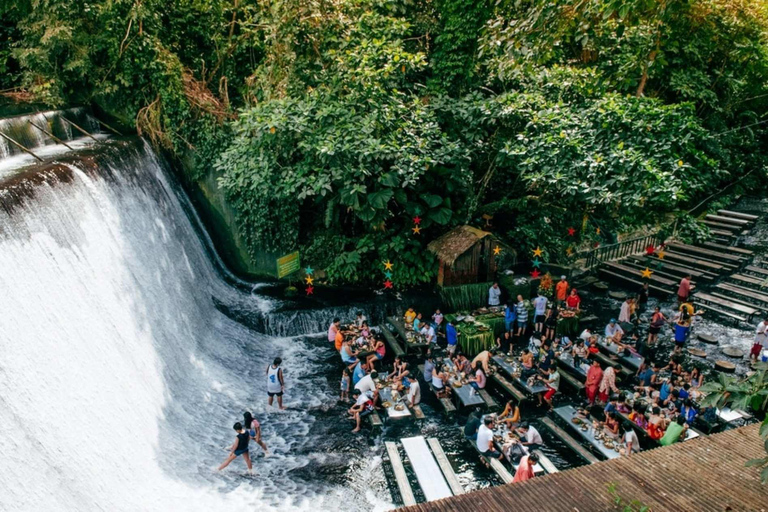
(561, 290)
(409, 315)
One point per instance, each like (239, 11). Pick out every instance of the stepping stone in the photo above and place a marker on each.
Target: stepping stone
(588, 280)
(618, 295)
(725, 366)
(708, 338)
(697, 352)
(600, 285)
(733, 352)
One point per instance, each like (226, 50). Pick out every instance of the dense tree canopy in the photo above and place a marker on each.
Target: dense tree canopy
(334, 122)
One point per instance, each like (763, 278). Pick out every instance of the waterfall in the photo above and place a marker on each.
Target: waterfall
(27, 130)
(121, 369)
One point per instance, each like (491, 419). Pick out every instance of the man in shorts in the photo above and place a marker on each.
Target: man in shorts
(522, 316)
(540, 311)
(362, 408)
(485, 440)
(452, 338)
(275, 382)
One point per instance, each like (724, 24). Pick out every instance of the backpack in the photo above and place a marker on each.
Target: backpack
(515, 453)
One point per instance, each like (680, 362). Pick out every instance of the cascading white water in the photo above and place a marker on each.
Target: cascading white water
(119, 378)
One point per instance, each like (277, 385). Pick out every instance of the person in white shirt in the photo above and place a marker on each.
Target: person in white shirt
(360, 320)
(585, 334)
(630, 439)
(613, 332)
(429, 333)
(363, 407)
(540, 312)
(414, 391)
(485, 439)
(761, 340)
(494, 295)
(532, 437)
(367, 383)
(552, 381)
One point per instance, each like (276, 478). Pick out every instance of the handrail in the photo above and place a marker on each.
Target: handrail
(621, 250)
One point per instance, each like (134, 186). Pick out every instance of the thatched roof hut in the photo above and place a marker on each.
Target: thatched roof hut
(466, 256)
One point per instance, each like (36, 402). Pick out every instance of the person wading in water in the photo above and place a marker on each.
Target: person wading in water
(239, 447)
(275, 382)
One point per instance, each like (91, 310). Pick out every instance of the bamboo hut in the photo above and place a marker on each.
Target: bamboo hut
(465, 255)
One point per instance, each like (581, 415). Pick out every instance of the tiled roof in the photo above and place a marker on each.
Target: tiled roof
(703, 474)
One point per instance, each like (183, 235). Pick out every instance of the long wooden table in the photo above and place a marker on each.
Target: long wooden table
(399, 326)
(633, 359)
(567, 413)
(509, 369)
(465, 393)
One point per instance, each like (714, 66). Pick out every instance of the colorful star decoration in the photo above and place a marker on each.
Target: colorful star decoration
(417, 220)
(569, 251)
(497, 250)
(535, 274)
(416, 230)
(571, 231)
(536, 263)
(387, 284)
(661, 255)
(647, 273)
(309, 270)
(388, 274)
(650, 250)
(597, 231)
(310, 290)
(387, 265)
(309, 280)
(537, 251)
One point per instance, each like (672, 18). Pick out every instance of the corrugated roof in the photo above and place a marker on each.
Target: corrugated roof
(456, 242)
(703, 474)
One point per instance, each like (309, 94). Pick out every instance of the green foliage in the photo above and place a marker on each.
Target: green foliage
(334, 123)
(624, 504)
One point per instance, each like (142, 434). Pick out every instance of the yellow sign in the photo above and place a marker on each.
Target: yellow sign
(288, 264)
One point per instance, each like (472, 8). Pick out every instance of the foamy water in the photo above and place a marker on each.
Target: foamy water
(119, 378)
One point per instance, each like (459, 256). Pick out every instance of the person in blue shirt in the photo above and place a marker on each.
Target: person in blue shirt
(509, 317)
(665, 390)
(358, 373)
(684, 394)
(688, 412)
(452, 337)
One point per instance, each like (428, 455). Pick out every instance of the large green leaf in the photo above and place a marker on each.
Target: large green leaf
(380, 198)
(440, 215)
(432, 200)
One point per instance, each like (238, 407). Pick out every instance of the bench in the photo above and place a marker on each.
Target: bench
(693, 262)
(425, 466)
(445, 466)
(719, 226)
(677, 269)
(724, 301)
(417, 412)
(755, 271)
(391, 341)
(406, 493)
(634, 282)
(662, 272)
(728, 220)
(568, 440)
(545, 463)
(375, 420)
(730, 259)
(749, 281)
(738, 215)
(495, 464)
(489, 401)
(637, 273)
(570, 380)
(446, 403)
(743, 292)
(507, 386)
(728, 248)
(700, 259)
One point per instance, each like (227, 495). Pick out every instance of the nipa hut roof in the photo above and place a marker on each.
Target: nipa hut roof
(456, 242)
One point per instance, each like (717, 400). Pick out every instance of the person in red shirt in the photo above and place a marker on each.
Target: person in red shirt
(561, 289)
(573, 299)
(685, 289)
(594, 378)
(525, 469)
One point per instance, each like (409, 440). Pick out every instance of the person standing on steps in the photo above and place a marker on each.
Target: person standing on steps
(254, 430)
(275, 382)
(684, 290)
(239, 447)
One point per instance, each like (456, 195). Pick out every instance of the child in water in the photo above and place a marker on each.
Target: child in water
(346, 381)
(239, 447)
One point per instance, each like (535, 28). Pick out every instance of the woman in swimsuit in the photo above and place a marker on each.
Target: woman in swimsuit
(254, 429)
(379, 349)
